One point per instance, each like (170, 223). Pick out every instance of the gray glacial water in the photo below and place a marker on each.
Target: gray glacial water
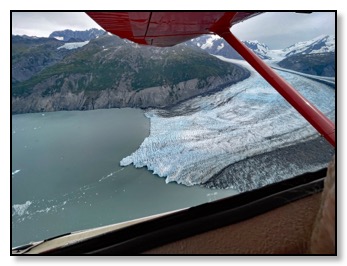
(66, 174)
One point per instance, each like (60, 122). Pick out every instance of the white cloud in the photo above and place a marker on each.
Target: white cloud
(42, 24)
(281, 29)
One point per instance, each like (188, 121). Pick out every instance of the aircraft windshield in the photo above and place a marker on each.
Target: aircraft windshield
(105, 130)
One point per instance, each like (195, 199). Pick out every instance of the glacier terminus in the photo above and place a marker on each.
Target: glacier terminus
(197, 139)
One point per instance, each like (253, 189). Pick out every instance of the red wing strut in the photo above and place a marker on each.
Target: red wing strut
(170, 28)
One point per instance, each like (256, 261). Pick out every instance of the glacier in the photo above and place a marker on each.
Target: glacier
(73, 45)
(195, 140)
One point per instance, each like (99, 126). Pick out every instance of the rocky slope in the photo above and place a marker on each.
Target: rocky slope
(31, 55)
(111, 72)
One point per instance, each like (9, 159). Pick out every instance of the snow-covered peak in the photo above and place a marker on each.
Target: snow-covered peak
(257, 44)
(320, 44)
(209, 42)
(85, 35)
(73, 45)
(215, 45)
(259, 48)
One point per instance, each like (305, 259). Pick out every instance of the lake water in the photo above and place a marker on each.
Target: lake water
(66, 174)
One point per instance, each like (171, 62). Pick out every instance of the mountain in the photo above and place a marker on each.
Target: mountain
(30, 55)
(259, 48)
(215, 45)
(90, 70)
(320, 44)
(111, 72)
(316, 56)
(76, 36)
(319, 64)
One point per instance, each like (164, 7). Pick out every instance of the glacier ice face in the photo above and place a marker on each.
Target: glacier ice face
(197, 139)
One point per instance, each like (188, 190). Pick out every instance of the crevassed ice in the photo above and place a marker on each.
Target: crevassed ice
(206, 134)
(126, 161)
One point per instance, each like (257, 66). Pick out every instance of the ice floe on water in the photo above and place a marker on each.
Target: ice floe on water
(15, 171)
(111, 174)
(20, 209)
(197, 139)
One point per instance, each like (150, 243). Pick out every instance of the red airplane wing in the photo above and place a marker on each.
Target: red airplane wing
(166, 28)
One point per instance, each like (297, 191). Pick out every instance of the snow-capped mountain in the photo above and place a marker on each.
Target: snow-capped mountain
(217, 46)
(320, 44)
(314, 57)
(76, 36)
(214, 45)
(259, 48)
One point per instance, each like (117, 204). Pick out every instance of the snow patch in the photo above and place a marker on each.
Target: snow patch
(220, 47)
(210, 41)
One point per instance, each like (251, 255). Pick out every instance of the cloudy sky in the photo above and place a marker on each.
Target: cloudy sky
(282, 29)
(276, 29)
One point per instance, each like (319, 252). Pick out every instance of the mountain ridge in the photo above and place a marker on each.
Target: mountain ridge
(77, 35)
(315, 56)
(112, 72)
(106, 71)
(216, 46)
